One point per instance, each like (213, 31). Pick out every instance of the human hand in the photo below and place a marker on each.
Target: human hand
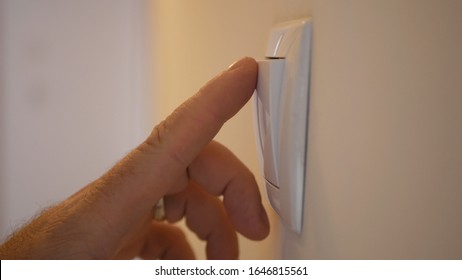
(112, 217)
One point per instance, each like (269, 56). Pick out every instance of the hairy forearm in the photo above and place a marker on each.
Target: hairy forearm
(45, 237)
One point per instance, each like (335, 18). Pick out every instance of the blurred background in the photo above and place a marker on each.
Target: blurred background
(74, 97)
(83, 82)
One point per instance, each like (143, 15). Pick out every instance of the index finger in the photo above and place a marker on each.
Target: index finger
(151, 170)
(178, 140)
(194, 124)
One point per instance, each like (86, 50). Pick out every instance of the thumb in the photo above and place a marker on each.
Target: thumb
(148, 173)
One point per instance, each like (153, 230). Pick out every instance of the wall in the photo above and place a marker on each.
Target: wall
(383, 158)
(74, 98)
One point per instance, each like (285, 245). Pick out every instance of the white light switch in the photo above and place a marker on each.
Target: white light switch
(269, 86)
(282, 117)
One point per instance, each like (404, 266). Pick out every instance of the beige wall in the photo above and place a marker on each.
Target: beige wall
(384, 156)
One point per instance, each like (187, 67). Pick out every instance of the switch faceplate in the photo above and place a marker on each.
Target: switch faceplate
(281, 109)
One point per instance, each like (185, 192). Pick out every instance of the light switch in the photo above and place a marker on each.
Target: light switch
(282, 118)
(269, 88)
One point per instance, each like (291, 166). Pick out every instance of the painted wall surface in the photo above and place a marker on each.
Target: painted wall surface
(384, 157)
(73, 98)
(384, 153)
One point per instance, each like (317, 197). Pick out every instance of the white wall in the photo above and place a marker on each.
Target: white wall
(74, 98)
(384, 157)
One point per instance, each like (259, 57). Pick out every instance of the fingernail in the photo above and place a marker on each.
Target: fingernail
(237, 64)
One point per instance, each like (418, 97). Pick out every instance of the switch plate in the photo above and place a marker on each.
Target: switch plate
(281, 110)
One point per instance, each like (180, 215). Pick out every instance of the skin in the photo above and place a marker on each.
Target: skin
(112, 217)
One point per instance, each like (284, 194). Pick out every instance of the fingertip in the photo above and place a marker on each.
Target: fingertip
(228, 92)
(247, 213)
(247, 71)
(258, 228)
(245, 62)
(265, 225)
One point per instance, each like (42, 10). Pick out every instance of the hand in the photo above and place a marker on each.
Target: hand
(112, 216)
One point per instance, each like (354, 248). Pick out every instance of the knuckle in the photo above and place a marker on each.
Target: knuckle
(159, 142)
